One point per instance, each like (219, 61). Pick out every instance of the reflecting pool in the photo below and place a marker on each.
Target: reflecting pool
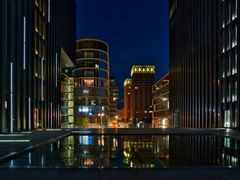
(130, 151)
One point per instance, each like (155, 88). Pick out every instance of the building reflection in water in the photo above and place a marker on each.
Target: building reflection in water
(145, 151)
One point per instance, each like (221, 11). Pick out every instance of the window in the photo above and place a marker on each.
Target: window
(227, 119)
(229, 65)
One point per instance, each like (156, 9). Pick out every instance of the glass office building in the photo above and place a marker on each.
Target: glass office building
(31, 37)
(92, 81)
(204, 67)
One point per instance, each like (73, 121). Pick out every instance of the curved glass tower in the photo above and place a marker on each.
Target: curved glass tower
(92, 81)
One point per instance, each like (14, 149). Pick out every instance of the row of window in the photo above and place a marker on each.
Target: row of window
(229, 92)
(91, 101)
(40, 47)
(92, 64)
(91, 73)
(229, 37)
(92, 44)
(91, 110)
(40, 24)
(91, 82)
(39, 68)
(83, 91)
(67, 104)
(67, 96)
(230, 118)
(41, 4)
(229, 63)
(229, 11)
(92, 54)
(163, 105)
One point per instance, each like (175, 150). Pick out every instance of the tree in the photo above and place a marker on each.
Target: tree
(81, 122)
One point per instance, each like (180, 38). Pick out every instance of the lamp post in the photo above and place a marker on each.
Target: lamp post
(101, 118)
(116, 117)
(99, 115)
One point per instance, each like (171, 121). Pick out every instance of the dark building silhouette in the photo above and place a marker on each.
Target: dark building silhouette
(204, 66)
(229, 64)
(32, 34)
(194, 57)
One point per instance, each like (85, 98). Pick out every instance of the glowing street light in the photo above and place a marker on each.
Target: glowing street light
(101, 115)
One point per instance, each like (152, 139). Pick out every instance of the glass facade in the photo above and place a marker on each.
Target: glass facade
(92, 80)
(31, 40)
(193, 63)
(229, 64)
(113, 99)
(161, 114)
(204, 63)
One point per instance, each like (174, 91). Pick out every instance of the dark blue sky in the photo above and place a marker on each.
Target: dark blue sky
(136, 31)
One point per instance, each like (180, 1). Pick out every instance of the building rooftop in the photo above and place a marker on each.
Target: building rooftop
(127, 82)
(143, 69)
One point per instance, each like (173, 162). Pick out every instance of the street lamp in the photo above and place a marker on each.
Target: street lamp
(101, 118)
(116, 117)
(99, 115)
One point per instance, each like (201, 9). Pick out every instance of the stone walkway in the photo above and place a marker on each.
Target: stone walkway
(122, 174)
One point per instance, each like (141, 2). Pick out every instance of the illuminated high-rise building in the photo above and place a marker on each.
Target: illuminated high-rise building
(92, 81)
(229, 69)
(204, 67)
(193, 63)
(127, 100)
(113, 98)
(67, 91)
(31, 36)
(142, 80)
(160, 103)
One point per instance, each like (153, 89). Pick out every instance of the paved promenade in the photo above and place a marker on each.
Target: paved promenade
(122, 174)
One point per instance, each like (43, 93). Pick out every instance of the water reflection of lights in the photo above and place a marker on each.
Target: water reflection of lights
(115, 143)
(11, 163)
(101, 140)
(86, 151)
(88, 162)
(85, 140)
(130, 152)
(42, 160)
(30, 159)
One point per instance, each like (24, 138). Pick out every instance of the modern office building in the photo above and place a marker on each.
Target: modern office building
(31, 40)
(229, 80)
(204, 66)
(160, 103)
(142, 80)
(113, 99)
(92, 81)
(67, 91)
(194, 57)
(127, 100)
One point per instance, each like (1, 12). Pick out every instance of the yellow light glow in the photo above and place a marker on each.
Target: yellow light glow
(145, 69)
(127, 82)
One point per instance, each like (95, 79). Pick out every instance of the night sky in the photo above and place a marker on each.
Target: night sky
(136, 31)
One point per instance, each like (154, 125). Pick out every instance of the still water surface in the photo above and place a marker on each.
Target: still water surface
(129, 151)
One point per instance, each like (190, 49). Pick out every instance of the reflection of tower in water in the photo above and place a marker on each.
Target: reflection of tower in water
(203, 150)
